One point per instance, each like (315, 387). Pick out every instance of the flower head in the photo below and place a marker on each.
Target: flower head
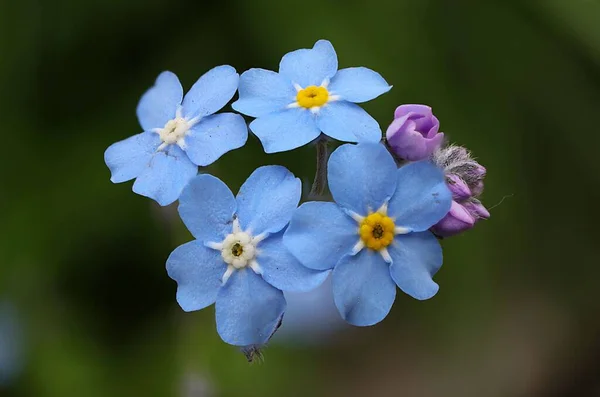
(238, 259)
(375, 236)
(413, 135)
(308, 96)
(464, 176)
(180, 134)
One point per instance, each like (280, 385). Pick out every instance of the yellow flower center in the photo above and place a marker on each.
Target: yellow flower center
(312, 96)
(237, 249)
(377, 231)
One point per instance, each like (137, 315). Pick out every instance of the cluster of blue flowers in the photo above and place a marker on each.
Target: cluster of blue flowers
(250, 248)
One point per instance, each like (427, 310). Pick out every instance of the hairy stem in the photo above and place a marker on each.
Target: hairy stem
(320, 182)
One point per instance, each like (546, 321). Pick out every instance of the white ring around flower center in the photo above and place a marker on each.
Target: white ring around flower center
(238, 249)
(174, 131)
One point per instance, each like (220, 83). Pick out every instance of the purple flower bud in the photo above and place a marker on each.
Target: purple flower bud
(472, 173)
(477, 188)
(456, 221)
(456, 160)
(476, 209)
(413, 135)
(458, 187)
(480, 171)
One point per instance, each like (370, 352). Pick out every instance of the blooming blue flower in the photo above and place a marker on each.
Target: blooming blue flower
(309, 96)
(375, 236)
(180, 134)
(238, 259)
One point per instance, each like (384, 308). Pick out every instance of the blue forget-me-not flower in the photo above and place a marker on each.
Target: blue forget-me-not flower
(308, 96)
(238, 260)
(375, 236)
(180, 134)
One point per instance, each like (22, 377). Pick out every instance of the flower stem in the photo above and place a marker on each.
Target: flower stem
(320, 182)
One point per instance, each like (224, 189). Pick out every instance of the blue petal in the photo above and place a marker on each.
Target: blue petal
(348, 122)
(421, 198)
(320, 234)
(363, 289)
(358, 84)
(285, 130)
(416, 259)
(128, 158)
(166, 175)
(310, 66)
(159, 104)
(282, 270)
(248, 309)
(263, 92)
(211, 92)
(361, 177)
(198, 271)
(206, 206)
(214, 136)
(267, 200)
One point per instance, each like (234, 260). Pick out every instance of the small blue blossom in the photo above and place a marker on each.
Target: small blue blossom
(375, 236)
(180, 134)
(238, 260)
(309, 96)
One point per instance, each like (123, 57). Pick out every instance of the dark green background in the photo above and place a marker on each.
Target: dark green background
(517, 82)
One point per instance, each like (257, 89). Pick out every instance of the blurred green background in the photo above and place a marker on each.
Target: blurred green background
(82, 260)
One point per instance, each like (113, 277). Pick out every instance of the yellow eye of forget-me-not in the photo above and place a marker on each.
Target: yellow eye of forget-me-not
(237, 249)
(312, 96)
(377, 231)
